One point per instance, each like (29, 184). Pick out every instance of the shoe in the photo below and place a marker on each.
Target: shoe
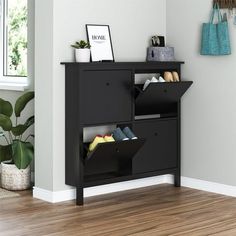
(146, 84)
(128, 132)
(175, 76)
(108, 138)
(154, 80)
(118, 135)
(168, 77)
(161, 80)
(98, 139)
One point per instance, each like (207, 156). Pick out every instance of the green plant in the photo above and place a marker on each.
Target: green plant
(81, 44)
(17, 148)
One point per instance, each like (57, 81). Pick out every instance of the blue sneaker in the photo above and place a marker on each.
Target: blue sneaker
(128, 132)
(118, 135)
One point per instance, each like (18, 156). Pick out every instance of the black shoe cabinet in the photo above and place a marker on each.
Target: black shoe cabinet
(99, 94)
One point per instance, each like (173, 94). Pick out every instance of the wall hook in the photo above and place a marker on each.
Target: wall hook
(226, 4)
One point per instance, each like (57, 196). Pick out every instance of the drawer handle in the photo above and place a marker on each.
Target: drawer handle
(107, 84)
(117, 150)
(156, 134)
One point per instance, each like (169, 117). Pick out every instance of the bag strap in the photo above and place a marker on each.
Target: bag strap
(216, 10)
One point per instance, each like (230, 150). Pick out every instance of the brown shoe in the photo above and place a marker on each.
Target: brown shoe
(168, 77)
(175, 76)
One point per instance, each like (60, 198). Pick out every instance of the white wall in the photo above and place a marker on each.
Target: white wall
(132, 22)
(209, 108)
(44, 94)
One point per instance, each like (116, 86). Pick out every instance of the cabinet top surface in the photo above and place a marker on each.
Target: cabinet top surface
(123, 63)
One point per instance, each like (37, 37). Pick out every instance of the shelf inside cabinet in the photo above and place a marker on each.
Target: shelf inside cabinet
(159, 97)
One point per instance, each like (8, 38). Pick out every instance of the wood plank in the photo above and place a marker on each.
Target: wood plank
(153, 211)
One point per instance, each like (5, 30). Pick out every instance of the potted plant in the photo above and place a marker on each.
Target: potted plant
(82, 51)
(17, 152)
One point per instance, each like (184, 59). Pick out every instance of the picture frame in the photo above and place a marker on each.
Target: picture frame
(99, 37)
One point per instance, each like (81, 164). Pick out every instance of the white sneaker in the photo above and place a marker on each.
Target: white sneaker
(146, 84)
(161, 80)
(154, 80)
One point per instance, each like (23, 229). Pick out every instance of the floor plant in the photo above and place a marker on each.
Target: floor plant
(15, 146)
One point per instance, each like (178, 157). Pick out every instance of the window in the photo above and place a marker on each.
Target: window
(13, 63)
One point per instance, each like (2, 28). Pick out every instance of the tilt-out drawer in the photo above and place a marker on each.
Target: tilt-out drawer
(160, 97)
(112, 157)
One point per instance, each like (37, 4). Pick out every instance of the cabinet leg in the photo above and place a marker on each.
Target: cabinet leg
(79, 196)
(177, 180)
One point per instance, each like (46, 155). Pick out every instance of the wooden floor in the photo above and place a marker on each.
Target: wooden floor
(159, 210)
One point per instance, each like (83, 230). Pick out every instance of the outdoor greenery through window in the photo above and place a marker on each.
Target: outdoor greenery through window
(15, 38)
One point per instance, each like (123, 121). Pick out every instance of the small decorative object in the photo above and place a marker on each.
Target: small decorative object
(158, 51)
(17, 154)
(158, 41)
(160, 54)
(99, 38)
(82, 51)
(215, 37)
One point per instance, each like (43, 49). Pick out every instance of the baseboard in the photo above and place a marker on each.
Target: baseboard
(44, 194)
(207, 186)
(70, 194)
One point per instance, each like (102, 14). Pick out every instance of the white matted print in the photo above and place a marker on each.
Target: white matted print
(100, 40)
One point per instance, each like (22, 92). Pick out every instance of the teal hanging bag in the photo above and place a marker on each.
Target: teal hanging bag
(215, 36)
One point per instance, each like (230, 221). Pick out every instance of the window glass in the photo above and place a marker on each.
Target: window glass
(15, 38)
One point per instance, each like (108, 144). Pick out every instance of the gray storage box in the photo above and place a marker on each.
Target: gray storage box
(160, 54)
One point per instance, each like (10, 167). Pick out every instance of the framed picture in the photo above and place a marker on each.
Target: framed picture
(99, 38)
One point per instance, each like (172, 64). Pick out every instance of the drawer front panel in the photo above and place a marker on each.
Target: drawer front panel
(105, 96)
(160, 150)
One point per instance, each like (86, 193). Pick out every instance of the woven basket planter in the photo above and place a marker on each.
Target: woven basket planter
(13, 178)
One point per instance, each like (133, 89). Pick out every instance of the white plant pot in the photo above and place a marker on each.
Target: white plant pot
(82, 55)
(14, 179)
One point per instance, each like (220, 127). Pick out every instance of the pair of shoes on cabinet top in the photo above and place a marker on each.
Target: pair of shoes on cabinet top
(100, 139)
(153, 80)
(171, 76)
(124, 135)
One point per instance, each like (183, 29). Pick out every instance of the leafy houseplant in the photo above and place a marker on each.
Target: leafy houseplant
(82, 51)
(81, 44)
(17, 152)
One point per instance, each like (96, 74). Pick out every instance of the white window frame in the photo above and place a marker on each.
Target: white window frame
(17, 83)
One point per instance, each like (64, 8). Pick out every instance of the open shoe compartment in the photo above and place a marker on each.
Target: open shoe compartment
(112, 157)
(159, 98)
